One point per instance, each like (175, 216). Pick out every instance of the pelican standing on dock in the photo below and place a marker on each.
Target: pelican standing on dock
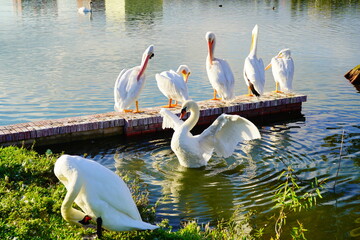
(174, 84)
(100, 193)
(219, 72)
(254, 72)
(282, 70)
(221, 137)
(130, 82)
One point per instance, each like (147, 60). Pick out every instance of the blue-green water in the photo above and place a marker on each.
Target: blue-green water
(57, 63)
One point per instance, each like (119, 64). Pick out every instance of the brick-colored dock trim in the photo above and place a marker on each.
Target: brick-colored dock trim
(63, 130)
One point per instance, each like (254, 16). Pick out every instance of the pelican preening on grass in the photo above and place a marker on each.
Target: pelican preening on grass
(221, 137)
(219, 72)
(254, 73)
(85, 10)
(282, 70)
(130, 82)
(100, 193)
(174, 84)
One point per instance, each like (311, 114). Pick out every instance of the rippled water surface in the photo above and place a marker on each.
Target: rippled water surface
(56, 63)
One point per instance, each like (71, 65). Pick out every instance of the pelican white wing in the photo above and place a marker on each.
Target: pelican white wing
(226, 132)
(117, 90)
(170, 120)
(283, 72)
(127, 88)
(221, 78)
(172, 85)
(254, 73)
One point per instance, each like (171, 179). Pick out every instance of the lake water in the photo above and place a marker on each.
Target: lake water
(55, 62)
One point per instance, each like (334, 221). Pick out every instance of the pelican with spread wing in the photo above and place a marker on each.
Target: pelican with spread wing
(221, 137)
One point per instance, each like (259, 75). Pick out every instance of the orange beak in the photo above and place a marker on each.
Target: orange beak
(182, 113)
(210, 47)
(268, 66)
(185, 75)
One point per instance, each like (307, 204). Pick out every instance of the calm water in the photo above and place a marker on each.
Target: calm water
(56, 63)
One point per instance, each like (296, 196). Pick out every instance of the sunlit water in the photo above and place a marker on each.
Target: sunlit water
(56, 63)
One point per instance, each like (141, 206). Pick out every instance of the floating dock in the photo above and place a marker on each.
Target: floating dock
(268, 108)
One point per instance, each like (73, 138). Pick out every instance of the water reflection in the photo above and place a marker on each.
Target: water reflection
(206, 194)
(194, 190)
(128, 10)
(36, 8)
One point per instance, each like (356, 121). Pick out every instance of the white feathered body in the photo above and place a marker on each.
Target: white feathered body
(221, 137)
(127, 88)
(130, 82)
(283, 72)
(100, 193)
(221, 77)
(172, 85)
(188, 149)
(254, 73)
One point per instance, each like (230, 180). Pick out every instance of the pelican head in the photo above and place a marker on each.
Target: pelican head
(284, 53)
(148, 54)
(184, 70)
(210, 38)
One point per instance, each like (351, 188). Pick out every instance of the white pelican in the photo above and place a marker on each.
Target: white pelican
(130, 82)
(282, 70)
(222, 136)
(86, 10)
(219, 72)
(254, 73)
(174, 84)
(100, 193)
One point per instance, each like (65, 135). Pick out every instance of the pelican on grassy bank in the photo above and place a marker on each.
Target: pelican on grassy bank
(174, 84)
(130, 82)
(221, 137)
(219, 72)
(100, 194)
(254, 73)
(282, 70)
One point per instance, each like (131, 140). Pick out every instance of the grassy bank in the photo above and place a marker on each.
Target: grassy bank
(31, 198)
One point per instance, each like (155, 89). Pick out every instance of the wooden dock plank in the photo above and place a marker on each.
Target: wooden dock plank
(69, 129)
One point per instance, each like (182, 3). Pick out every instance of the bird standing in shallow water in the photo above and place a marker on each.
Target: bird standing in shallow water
(174, 84)
(100, 193)
(219, 72)
(221, 137)
(254, 73)
(130, 82)
(282, 70)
